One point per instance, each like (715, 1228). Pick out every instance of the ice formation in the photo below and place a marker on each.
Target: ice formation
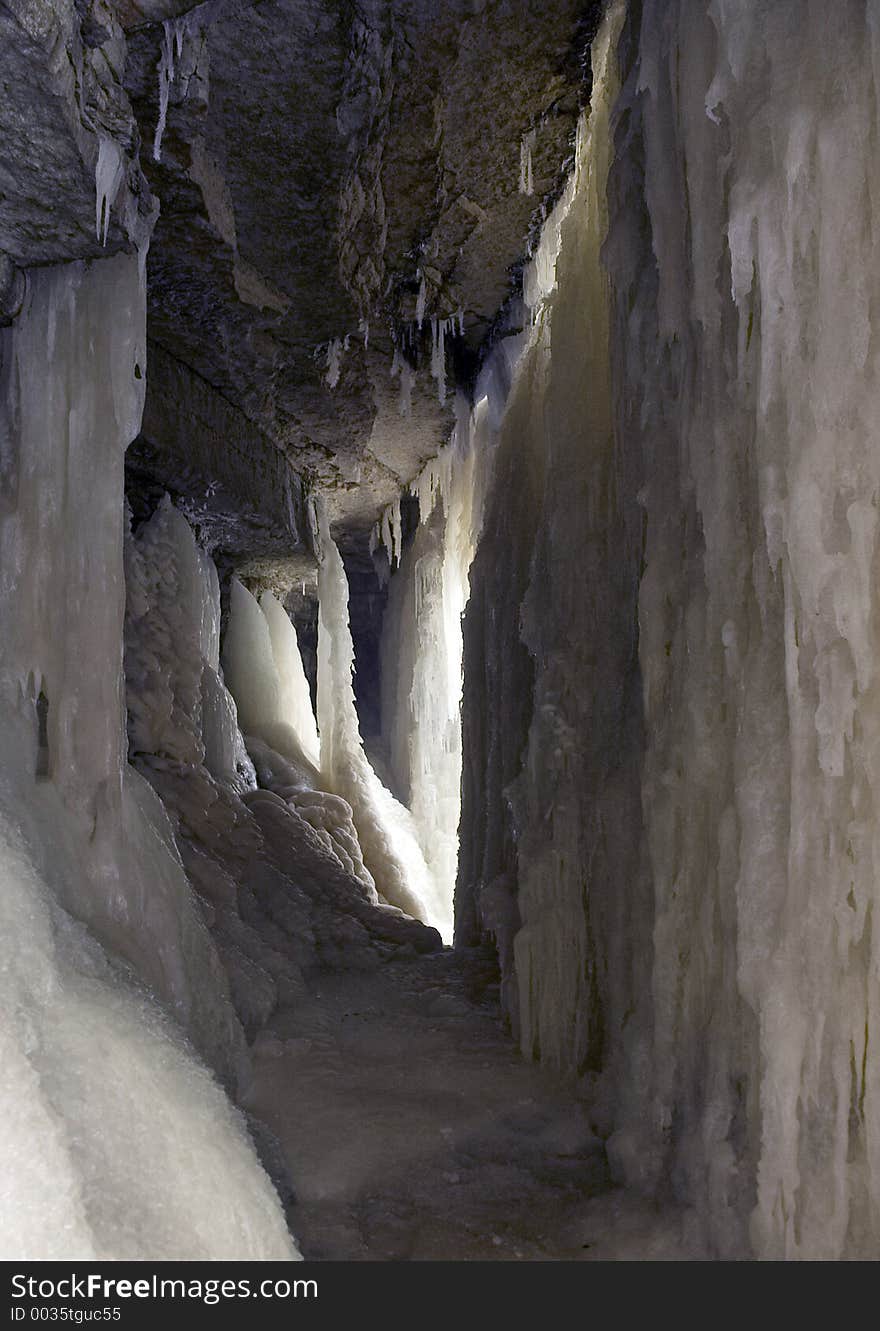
(386, 831)
(438, 356)
(526, 148)
(758, 607)
(669, 703)
(264, 670)
(178, 703)
(114, 1131)
(422, 650)
(109, 173)
(334, 362)
(420, 301)
(294, 699)
(114, 1135)
(401, 366)
(173, 33)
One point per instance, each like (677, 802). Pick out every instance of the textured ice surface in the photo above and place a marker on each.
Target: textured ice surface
(114, 1136)
(670, 697)
(422, 648)
(752, 373)
(114, 1132)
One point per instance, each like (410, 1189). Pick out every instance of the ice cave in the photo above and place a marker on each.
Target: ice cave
(439, 607)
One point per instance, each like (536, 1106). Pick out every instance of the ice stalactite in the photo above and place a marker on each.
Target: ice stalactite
(333, 367)
(109, 174)
(386, 831)
(173, 33)
(438, 357)
(526, 148)
(106, 958)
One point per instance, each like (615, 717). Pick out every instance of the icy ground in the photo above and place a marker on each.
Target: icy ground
(414, 1130)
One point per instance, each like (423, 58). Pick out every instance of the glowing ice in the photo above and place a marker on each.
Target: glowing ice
(386, 831)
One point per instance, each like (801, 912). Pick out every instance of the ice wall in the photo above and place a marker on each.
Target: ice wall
(106, 956)
(670, 646)
(550, 831)
(755, 406)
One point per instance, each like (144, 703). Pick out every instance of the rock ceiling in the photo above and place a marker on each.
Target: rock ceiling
(321, 165)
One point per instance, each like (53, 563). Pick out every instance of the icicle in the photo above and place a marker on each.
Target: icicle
(420, 303)
(334, 363)
(407, 379)
(171, 41)
(109, 174)
(396, 532)
(438, 356)
(364, 329)
(387, 539)
(526, 181)
(460, 317)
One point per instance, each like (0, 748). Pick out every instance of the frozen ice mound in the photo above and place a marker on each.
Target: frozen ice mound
(115, 1136)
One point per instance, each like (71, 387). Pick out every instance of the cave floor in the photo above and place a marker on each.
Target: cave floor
(414, 1130)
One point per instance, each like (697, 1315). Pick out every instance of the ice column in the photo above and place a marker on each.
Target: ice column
(386, 830)
(264, 670)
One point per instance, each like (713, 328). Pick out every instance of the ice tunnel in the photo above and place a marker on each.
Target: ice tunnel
(439, 554)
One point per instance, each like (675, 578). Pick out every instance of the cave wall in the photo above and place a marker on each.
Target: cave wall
(681, 550)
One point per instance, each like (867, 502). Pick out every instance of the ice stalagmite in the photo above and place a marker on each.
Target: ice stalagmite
(387, 834)
(294, 699)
